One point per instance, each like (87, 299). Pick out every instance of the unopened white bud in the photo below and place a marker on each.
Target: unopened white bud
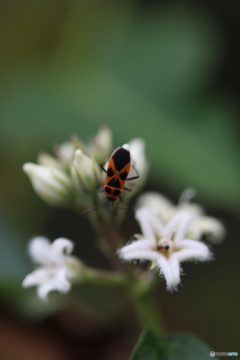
(51, 184)
(48, 160)
(101, 145)
(139, 163)
(65, 151)
(137, 150)
(86, 170)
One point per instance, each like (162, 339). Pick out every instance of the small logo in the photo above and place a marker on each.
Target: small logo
(215, 353)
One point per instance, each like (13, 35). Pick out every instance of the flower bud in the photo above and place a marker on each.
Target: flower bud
(86, 171)
(101, 145)
(65, 151)
(48, 160)
(51, 184)
(139, 161)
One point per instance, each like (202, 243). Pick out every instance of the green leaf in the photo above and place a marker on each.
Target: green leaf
(181, 346)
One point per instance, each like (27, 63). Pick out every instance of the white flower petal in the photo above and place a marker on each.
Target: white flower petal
(48, 280)
(142, 244)
(193, 254)
(184, 202)
(191, 244)
(212, 228)
(194, 209)
(175, 266)
(40, 250)
(44, 289)
(142, 217)
(178, 225)
(157, 204)
(60, 247)
(149, 224)
(36, 277)
(62, 284)
(140, 255)
(184, 221)
(169, 272)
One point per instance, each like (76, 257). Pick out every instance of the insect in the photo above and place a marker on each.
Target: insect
(119, 166)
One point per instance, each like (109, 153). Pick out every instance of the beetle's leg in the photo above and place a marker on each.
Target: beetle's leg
(134, 177)
(102, 166)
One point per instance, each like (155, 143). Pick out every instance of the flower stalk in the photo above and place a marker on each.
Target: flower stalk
(139, 292)
(142, 296)
(104, 278)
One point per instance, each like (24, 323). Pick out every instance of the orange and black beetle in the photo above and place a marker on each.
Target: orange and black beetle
(119, 166)
(117, 172)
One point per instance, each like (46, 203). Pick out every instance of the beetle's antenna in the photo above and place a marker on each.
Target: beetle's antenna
(118, 207)
(86, 211)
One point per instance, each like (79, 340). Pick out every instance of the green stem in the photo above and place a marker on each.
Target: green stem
(144, 303)
(106, 278)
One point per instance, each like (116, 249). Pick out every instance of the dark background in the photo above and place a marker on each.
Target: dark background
(164, 71)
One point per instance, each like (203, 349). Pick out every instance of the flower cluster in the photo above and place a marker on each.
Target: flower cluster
(73, 177)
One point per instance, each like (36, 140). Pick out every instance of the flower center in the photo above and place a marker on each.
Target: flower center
(164, 246)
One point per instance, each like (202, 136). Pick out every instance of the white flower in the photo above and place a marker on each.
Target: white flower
(56, 269)
(211, 228)
(201, 225)
(165, 245)
(50, 183)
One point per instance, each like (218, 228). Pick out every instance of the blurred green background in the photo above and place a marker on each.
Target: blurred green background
(164, 71)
